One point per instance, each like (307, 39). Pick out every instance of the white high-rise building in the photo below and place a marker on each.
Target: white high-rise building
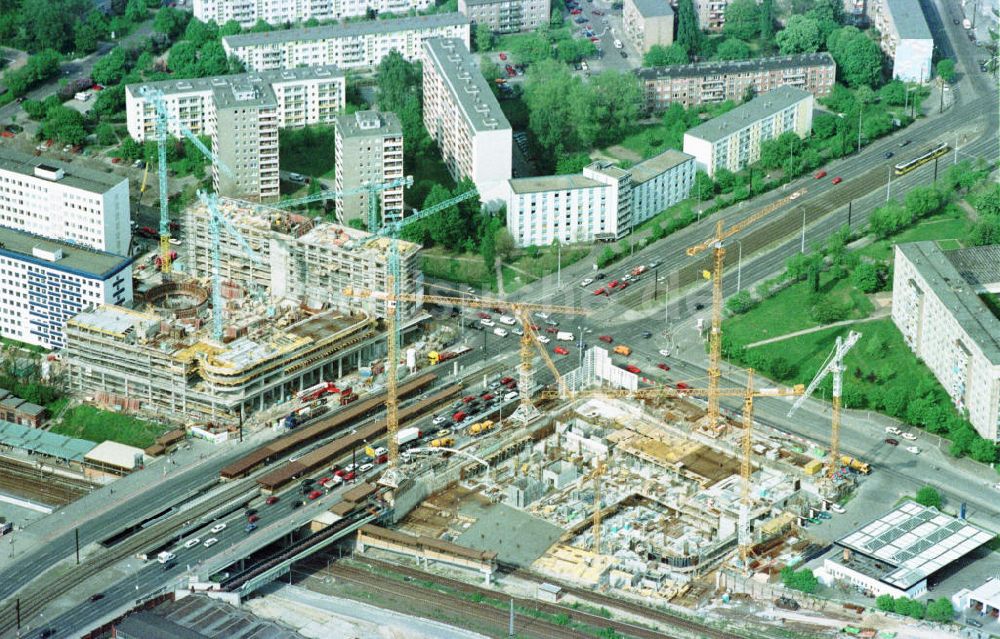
(64, 202)
(368, 149)
(249, 12)
(936, 305)
(46, 282)
(309, 95)
(464, 118)
(905, 37)
(354, 45)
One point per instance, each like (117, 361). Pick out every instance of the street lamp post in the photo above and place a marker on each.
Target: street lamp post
(559, 264)
(803, 249)
(888, 185)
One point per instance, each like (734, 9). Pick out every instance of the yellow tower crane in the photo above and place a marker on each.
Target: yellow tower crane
(715, 336)
(748, 394)
(526, 411)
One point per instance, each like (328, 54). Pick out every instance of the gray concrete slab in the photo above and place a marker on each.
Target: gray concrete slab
(516, 536)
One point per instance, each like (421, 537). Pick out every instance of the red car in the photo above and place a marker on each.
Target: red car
(273, 499)
(116, 160)
(614, 284)
(510, 71)
(682, 386)
(575, 12)
(632, 368)
(340, 472)
(97, 87)
(482, 315)
(624, 285)
(559, 350)
(595, 40)
(551, 329)
(316, 494)
(487, 397)
(350, 476)
(600, 291)
(607, 339)
(506, 380)
(663, 367)
(381, 459)
(819, 175)
(467, 400)
(837, 180)
(252, 518)
(503, 56)
(6, 134)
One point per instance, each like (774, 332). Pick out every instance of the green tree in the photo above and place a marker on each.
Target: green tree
(136, 11)
(962, 438)
(555, 100)
(983, 451)
(909, 607)
(733, 49)
(860, 62)
(742, 19)
(532, 48)
(86, 38)
(766, 28)
(231, 27)
(575, 49)
(885, 603)
(613, 102)
(940, 610)
(111, 68)
(606, 257)
(984, 232)
(198, 33)
(740, 303)
(703, 185)
(572, 163)
(39, 67)
(485, 40)
(929, 496)
(64, 125)
(800, 35)
(105, 134)
(504, 244)
(802, 580)
(824, 125)
(110, 102)
(688, 35)
(828, 15)
(261, 26)
(212, 60)
(130, 149)
(183, 59)
(893, 93)
(661, 56)
(865, 277)
(946, 69)
(171, 22)
(922, 201)
(988, 202)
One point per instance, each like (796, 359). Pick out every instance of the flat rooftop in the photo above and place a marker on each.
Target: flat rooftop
(978, 265)
(349, 30)
(117, 321)
(909, 19)
(957, 294)
(746, 114)
(75, 176)
(368, 123)
(653, 8)
(244, 94)
(466, 84)
(207, 85)
(654, 166)
(546, 183)
(914, 541)
(758, 65)
(75, 259)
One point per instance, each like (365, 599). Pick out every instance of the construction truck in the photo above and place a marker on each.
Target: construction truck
(407, 436)
(315, 392)
(481, 428)
(435, 357)
(855, 464)
(443, 442)
(564, 336)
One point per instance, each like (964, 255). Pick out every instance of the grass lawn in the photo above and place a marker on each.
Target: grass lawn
(468, 268)
(427, 171)
(951, 225)
(650, 140)
(87, 422)
(881, 350)
(788, 311)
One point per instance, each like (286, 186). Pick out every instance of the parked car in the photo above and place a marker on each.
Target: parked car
(503, 56)
(316, 494)
(837, 180)
(682, 386)
(819, 175)
(891, 441)
(544, 339)
(913, 449)
(607, 339)
(909, 436)
(587, 282)
(632, 368)
(559, 350)
(837, 508)
(663, 367)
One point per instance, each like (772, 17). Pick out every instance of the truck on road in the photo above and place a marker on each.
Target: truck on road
(407, 436)
(855, 464)
(564, 336)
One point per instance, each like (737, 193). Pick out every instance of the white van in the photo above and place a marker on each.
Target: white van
(500, 332)
(508, 320)
(618, 44)
(165, 556)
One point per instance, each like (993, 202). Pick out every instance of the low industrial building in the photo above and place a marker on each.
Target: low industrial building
(463, 117)
(113, 459)
(732, 140)
(937, 306)
(604, 202)
(905, 38)
(506, 16)
(352, 45)
(715, 81)
(46, 282)
(896, 553)
(982, 601)
(648, 23)
(18, 411)
(368, 149)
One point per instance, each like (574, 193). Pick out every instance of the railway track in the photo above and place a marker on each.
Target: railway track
(47, 587)
(435, 603)
(621, 627)
(28, 481)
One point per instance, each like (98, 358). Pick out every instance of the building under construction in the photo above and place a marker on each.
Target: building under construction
(297, 257)
(286, 323)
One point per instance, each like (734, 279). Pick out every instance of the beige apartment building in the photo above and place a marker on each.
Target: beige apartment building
(711, 82)
(278, 12)
(506, 16)
(351, 45)
(648, 23)
(711, 13)
(464, 118)
(245, 139)
(307, 95)
(368, 149)
(732, 140)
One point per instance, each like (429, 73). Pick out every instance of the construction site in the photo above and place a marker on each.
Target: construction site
(278, 324)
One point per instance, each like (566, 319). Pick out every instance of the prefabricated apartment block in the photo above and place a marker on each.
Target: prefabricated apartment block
(355, 45)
